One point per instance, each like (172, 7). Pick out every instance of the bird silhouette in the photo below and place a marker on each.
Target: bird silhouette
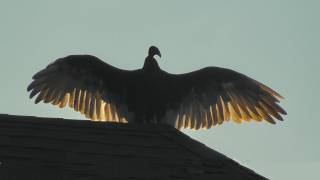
(199, 99)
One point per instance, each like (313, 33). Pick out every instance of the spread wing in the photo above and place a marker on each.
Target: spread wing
(87, 85)
(214, 95)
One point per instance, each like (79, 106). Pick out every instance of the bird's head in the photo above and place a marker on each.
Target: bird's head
(154, 51)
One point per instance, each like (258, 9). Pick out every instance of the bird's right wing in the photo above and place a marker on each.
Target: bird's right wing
(86, 84)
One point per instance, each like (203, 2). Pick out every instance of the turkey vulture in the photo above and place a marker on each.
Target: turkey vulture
(199, 99)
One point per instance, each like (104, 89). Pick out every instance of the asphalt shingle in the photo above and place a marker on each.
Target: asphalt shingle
(34, 148)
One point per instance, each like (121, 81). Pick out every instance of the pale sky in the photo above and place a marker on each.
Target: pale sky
(275, 42)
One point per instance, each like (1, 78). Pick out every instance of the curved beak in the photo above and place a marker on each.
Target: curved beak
(159, 54)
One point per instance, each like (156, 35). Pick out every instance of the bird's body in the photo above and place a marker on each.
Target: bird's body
(200, 99)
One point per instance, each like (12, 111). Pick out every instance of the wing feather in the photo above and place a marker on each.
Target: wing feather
(180, 122)
(208, 119)
(98, 108)
(220, 110)
(72, 98)
(214, 114)
(226, 111)
(91, 111)
(77, 100)
(64, 100)
(87, 104)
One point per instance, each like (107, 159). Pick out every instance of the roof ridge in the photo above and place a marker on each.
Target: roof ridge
(207, 153)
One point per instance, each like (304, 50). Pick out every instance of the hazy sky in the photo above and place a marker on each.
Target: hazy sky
(274, 41)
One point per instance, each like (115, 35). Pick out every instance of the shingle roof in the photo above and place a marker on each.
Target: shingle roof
(58, 149)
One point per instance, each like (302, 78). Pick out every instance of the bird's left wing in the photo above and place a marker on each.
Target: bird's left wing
(210, 96)
(86, 84)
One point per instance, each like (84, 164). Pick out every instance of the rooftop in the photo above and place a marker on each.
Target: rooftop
(60, 149)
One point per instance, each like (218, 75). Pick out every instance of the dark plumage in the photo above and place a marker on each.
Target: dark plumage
(199, 99)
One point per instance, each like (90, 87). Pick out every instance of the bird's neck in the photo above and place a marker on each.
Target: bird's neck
(151, 63)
